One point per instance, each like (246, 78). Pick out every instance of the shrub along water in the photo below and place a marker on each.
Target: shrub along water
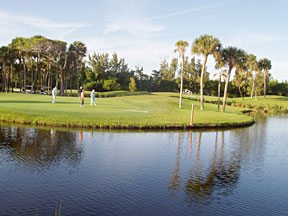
(272, 103)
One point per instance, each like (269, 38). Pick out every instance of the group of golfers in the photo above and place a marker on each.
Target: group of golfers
(81, 94)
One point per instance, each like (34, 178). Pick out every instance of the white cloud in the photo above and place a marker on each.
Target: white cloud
(137, 26)
(244, 39)
(133, 26)
(182, 12)
(59, 29)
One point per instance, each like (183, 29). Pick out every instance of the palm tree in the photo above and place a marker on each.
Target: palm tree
(39, 46)
(19, 45)
(79, 49)
(221, 73)
(3, 60)
(231, 57)
(205, 45)
(240, 79)
(181, 48)
(252, 66)
(265, 65)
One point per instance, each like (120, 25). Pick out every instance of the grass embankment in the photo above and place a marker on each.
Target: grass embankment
(272, 103)
(157, 110)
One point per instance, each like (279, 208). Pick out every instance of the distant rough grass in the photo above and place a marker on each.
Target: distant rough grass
(272, 103)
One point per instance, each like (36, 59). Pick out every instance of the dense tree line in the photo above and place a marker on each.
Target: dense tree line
(38, 63)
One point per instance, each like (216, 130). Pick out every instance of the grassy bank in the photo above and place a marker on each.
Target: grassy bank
(272, 103)
(154, 110)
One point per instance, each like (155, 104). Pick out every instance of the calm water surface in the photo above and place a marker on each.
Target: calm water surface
(231, 172)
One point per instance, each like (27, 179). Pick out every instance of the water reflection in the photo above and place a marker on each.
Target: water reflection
(207, 175)
(216, 170)
(39, 149)
(174, 184)
(231, 172)
(221, 175)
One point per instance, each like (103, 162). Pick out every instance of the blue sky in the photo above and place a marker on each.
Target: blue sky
(145, 31)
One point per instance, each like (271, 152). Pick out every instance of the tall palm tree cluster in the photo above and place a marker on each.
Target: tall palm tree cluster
(38, 63)
(227, 59)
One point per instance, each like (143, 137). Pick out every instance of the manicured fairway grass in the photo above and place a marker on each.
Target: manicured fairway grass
(155, 110)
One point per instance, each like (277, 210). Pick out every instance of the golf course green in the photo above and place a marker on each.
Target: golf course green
(147, 110)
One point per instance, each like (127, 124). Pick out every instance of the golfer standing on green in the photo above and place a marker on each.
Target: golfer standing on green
(92, 96)
(82, 98)
(54, 93)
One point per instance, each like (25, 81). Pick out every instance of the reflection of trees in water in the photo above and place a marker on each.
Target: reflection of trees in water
(40, 149)
(222, 174)
(174, 184)
(252, 141)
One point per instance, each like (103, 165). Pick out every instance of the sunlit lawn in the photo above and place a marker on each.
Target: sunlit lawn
(272, 102)
(143, 110)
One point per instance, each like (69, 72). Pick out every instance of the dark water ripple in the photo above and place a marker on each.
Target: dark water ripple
(233, 172)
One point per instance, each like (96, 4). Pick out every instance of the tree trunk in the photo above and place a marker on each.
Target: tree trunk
(71, 82)
(256, 98)
(35, 80)
(41, 81)
(11, 76)
(239, 88)
(61, 83)
(78, 84)
(201, 83)
(46, 78)
(219, 91)
(49, 81)
(253, 85)
(24, 74)
(226, 89)
(264, 84)
(31, 60)
(20, 74)
(181, 85)
(66, 85)
(8, 78)
(49, 78)
(56, 77)
(4, 87)
(38, 66)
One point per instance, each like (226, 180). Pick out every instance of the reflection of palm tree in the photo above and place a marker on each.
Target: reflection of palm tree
(174, 184)
(253, 142)
(33, 147)
(221, 174)
(190, 144)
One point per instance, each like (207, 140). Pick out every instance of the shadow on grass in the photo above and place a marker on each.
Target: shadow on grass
(279, 99)
(35, 102)
(186, 98)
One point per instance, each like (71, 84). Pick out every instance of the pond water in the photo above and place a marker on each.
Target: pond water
(221, 172)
